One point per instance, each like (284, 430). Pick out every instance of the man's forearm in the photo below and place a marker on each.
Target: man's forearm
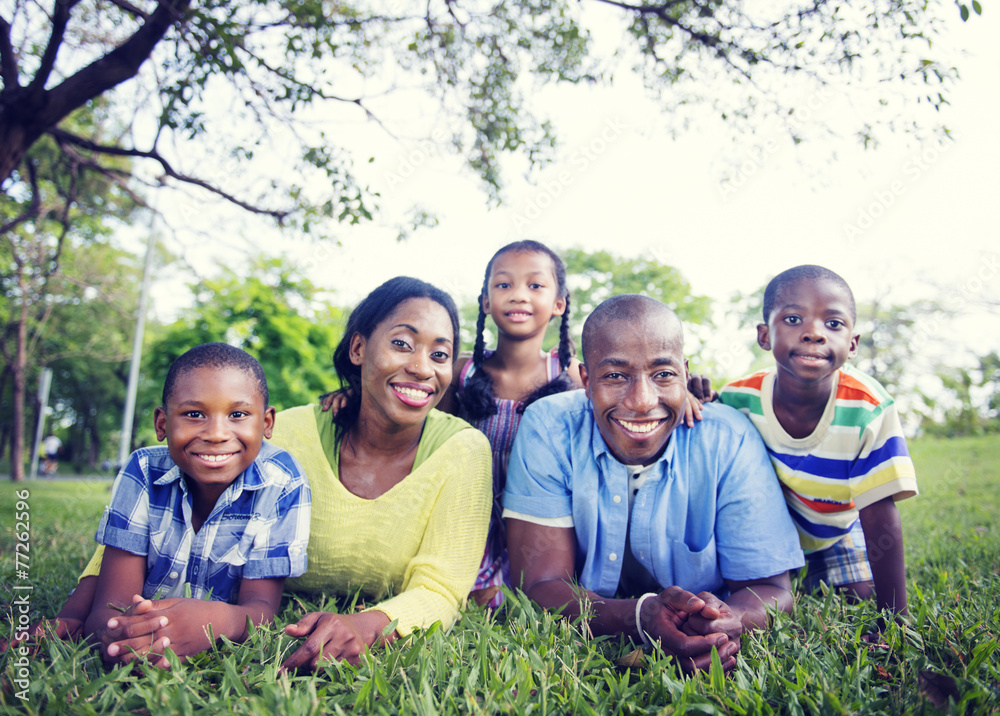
(609, 616)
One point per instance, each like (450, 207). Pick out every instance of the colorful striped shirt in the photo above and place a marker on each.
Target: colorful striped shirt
(856, 456)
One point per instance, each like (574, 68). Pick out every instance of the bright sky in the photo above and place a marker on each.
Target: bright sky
(914, 219)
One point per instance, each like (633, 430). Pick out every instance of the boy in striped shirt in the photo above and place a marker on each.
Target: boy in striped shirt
(833, 435)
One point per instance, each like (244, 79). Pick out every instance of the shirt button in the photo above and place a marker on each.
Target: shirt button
(613, 557)
(617, 498)
(174, 575)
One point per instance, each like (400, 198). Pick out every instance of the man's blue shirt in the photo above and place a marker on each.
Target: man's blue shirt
(259, 528)
(710, 509)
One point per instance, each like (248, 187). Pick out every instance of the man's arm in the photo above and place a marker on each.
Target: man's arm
(884, 537)
(746, 608)
(542, 564)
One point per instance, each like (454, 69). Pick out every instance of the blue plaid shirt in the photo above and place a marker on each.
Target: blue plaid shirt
(259, 528)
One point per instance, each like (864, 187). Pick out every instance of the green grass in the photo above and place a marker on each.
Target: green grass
(532, 662)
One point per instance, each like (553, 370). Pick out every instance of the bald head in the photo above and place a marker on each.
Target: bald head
(634, 311)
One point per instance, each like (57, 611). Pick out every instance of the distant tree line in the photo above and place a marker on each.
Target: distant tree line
(82, 325)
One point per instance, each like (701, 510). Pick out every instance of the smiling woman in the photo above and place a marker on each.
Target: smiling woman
(401, 492)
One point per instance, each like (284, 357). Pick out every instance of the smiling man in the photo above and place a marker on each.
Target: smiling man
(669, 533)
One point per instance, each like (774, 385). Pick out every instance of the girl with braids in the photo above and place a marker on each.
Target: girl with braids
(523, 290)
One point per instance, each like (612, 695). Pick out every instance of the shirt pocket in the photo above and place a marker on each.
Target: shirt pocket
(690, 569)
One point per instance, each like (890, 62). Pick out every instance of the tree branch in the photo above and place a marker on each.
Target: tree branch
(130, 8)
(63, 137)
(60, 17)
(112, 69)
(661, 12)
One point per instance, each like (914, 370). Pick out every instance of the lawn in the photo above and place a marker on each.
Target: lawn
(527, 661)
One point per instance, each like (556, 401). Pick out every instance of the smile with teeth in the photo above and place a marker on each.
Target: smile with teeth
(216, 458)
(641, 428)
(411, 393)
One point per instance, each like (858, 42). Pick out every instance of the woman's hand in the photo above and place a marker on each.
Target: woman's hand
(331, 637)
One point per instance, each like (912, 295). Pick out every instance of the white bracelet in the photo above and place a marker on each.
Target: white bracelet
(638, 621)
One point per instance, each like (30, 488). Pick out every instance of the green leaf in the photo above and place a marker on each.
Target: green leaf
(390, 627)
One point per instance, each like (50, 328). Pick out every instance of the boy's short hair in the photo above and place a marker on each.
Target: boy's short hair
(215, 355)
(798, 273)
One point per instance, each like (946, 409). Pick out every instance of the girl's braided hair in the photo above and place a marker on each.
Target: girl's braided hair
(475, 400)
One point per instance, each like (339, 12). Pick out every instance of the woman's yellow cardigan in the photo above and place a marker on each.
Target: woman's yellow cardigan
(422, 541)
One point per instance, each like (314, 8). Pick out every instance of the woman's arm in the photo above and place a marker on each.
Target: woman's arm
(332, 637)
(444, 568)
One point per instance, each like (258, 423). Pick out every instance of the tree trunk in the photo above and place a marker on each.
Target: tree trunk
(18, 371)
(3, 426)
(94, 449)
(14, 143)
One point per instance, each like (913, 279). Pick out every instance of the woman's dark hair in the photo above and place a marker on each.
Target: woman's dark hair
(365, 318)
(476, 399)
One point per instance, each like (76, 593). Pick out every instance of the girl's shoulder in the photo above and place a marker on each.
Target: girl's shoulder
(572, 370)
(465, 367)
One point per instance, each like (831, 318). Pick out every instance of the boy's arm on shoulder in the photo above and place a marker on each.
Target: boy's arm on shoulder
(884, 539)
(700, 386)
